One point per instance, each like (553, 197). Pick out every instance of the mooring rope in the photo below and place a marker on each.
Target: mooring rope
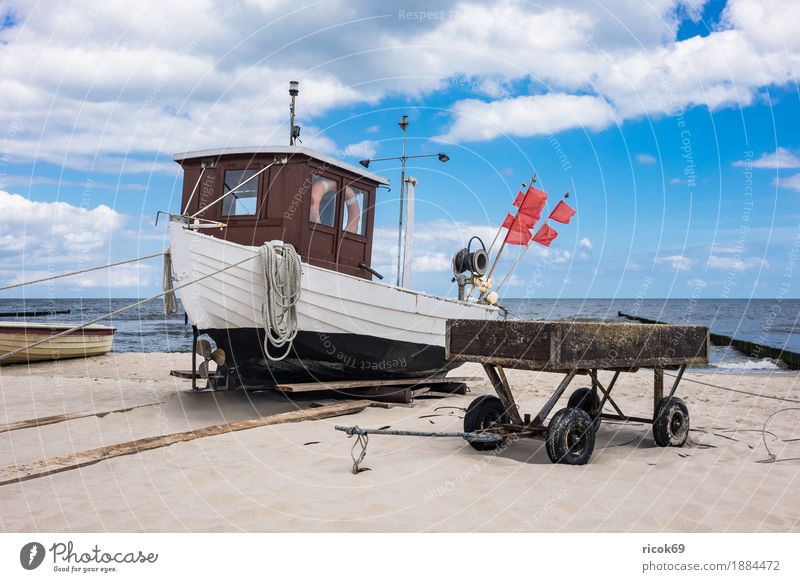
(281, 276)
(122, 309)
(685, 379)
(170, 301)
(89, 270)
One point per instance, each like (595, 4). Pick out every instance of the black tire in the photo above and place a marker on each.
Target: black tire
(671, 425)
(587, 400)
(483, 413)
(570, 437)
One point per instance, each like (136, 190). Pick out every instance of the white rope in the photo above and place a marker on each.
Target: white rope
(281, 272)
(170, 301)
(71, 273)
(121, 309)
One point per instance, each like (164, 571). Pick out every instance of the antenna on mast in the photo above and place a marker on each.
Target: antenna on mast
(294, 130)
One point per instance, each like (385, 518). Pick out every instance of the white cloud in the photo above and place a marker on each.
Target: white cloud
(792, 182)
(780, 158)
(735, 263)
(424, 262)
(724, 249)
(676, 262)
(645, 159)
(527, 116)
(362, 149)
(585, 243)
(93, 85)
(45, 238)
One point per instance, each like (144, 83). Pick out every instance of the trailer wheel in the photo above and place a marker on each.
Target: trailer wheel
(587, 400)
(483, 413)
(671, 425)
(570, 438)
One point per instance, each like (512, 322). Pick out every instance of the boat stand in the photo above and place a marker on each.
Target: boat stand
(570, 433)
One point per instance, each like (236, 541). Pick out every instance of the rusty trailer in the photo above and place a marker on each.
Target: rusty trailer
(574, 349)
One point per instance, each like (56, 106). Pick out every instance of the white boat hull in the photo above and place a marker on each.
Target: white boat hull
(349, 327)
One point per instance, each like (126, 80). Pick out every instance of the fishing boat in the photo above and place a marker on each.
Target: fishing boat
(93, 340)
(350, 324)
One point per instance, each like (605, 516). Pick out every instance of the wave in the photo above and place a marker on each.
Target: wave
(764, 364)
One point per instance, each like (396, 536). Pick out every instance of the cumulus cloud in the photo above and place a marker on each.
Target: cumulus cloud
(734, 263)
(90, 85)
(780, 158)
(527, 116)
(585, 243)
(362, 149)
(645, 159)
(424, 262)
(790, 182)
(44, 238)
(676, 262)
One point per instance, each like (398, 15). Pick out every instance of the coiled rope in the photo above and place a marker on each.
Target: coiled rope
(281, 272)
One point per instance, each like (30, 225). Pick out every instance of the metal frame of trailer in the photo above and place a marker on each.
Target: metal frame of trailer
(573, 348)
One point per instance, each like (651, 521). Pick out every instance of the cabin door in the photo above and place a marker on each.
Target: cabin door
(323, 221)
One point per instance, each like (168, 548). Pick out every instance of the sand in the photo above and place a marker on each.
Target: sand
(296, 477)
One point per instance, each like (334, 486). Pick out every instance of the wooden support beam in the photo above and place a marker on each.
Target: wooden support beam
(498, 379)
(658, 388)
(412, 383)
(554, 398)
(18, 473)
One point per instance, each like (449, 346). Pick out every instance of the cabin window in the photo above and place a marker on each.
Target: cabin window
(354, 216)
(323, 201)
(244, 200)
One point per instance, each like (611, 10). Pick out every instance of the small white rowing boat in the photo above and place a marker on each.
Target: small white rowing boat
(93, 340)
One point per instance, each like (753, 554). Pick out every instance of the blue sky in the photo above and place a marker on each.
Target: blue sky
(672, 124)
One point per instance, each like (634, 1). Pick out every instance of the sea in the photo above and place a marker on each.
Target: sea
(770, 322)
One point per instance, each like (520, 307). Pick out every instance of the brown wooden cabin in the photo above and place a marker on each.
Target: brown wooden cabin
(319, 204)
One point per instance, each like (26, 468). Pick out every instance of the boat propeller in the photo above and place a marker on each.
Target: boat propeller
(206, 349)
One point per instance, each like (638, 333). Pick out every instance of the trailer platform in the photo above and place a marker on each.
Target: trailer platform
(574, 348)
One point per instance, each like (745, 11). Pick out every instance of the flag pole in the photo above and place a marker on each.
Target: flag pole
(514, 265)
(503, 246)
(491, 246)
(522, 254)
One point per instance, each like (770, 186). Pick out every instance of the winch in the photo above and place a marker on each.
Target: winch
(468, 261)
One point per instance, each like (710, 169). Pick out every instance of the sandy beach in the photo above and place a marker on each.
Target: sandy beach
(296, 477)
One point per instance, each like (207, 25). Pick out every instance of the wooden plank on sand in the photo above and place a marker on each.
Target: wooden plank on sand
(45, 420)
(350, 384)
(17, 473)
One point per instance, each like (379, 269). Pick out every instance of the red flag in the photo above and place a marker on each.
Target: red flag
(531, 207)
(508, 221)
(520, 197)
(545, 236)
(562, 212)
(518, 233)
